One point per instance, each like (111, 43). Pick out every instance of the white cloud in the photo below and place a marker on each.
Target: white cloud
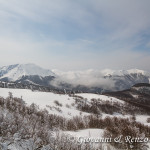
(88, 78)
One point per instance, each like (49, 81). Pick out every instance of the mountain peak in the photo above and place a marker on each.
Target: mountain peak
(108, 72)
(14, 72)
(138, 71)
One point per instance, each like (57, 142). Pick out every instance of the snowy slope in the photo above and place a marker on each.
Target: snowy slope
(90, 96)
(15, 72)
(48, 100)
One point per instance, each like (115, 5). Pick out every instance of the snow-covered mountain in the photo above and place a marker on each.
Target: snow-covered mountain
(108, 72)
(17, 71)
(126, 78)
(85, 81)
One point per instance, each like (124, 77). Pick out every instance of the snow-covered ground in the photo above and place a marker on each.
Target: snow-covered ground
(92, 136)
(142, 119)
(46, 100)
(90, 96)
(139, 118)
(95, 133)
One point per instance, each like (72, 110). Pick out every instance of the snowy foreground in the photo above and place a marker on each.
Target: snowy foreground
(64, 105)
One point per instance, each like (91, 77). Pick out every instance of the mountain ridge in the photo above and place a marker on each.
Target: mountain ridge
(87, 81)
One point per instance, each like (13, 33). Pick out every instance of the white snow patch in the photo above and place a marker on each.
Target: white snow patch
(86, 133)
(90, 96)
(143, 119)
(134, 95)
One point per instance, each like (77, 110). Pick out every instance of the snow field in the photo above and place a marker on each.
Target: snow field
(46, 100)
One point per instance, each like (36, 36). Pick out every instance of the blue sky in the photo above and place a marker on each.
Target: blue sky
(76, 35)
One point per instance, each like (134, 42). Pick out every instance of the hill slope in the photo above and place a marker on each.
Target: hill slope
(138, 95)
